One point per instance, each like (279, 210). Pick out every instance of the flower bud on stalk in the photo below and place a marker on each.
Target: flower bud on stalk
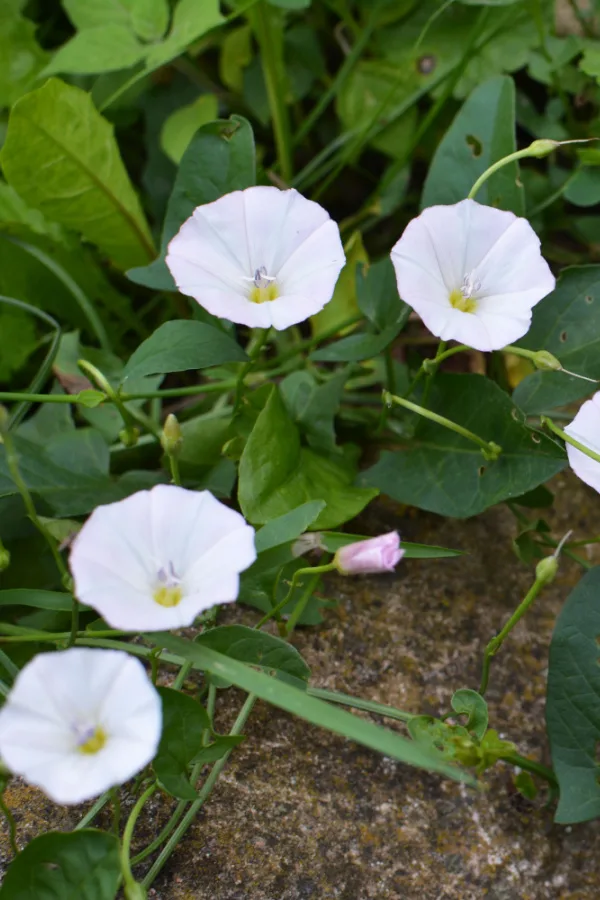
(378, 554)
(171, 438)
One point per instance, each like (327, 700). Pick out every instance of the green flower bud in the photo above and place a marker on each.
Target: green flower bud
(546, 569)
(3, 420)
(171, 438)
(4, 558)
(542, 147)
(546, 361)
(129, 436)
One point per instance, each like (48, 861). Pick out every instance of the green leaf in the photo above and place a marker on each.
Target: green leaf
(377, 295)
(584, 189)
(445, 473)
(53, 600)
(357, 347)
(567, 324)
(236, 55)
(299, 703)
(222, 744)
(106, 48)
(220, 159)
(18, 340)
(84, 14)
(276, 474)
(288, 527)
(343, 304)
(150, 18)
(314, 406)
(191, 20)
(181, 345)
(184, 724)
(573, 702)
(180, 127)
(488, 2)
(470, 703)
(80, 865)
(333, 540)
(257, 648)
(61, 156)
(21, 57)
(291, 4)
(483, 131)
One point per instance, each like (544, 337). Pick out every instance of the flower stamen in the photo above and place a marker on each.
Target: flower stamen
(264, 287)
(463, 299)
(91, 740)
(168, 591)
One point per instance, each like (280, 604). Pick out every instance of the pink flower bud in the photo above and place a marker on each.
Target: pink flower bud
(378, 554)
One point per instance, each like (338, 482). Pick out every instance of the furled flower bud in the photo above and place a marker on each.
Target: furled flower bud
(378, 554)
(171, 437)
(546, 569)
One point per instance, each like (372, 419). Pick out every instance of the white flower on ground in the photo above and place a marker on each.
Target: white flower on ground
(79, 722)
(585, 428)
(259, 257)
(378, 554)
(473, 273)
(157, 559)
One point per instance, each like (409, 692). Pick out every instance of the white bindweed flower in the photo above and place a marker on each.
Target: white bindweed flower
(585, 428)
(79, 722)
(473, 273)
(259, 257)
(155, 560)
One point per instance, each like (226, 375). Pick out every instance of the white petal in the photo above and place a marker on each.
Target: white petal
(217, 251)
(499, 251)
(56, 692)
(585, 428)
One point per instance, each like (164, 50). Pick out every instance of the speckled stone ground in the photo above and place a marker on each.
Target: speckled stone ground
(299, 813)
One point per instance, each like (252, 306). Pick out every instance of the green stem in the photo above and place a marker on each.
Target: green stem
(128, 879)
(94, 810)
(390, 712)
(174, 464)
(315, 570)
(270, 40)
(306, 595)
(203, 794)
(256, 344)
(530, 765)
(570, 440)
(309, 343)
(428, 365)
(497, 641)
(100, 380)
(512, 157)
(490, 450)
(12, 461)
(12, 826)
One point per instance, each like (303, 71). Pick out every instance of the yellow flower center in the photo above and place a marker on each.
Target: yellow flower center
(264, 294)
(94, 743)
(168, 595)
(464, 304)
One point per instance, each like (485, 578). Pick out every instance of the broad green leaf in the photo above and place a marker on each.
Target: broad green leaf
(14, 211)
(299, 703)
(236, 55)
(84, 14)
(584, 190)
(184, 724)
(191, 20)
(357, 346)
(267, 583)
(53, 600)
(222, 744)
(150, 18)
(573, 702)
(314, 406)
(80, 865)
(69, 493)
(445, 473)
(61, 156)
(18, 340)
(257, 648)
(377, 295)
(21, 57)
(333, 540)
(181, 345)
(105, 48)
(567, 324)
(220, 159)
(82, 451)
(276, 474)
(181, 126)
(287, 527)
(483, 131)
(470, 703)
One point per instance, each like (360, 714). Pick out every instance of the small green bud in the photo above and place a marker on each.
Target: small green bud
(90, 398)
(129, 436)
(492, 452)
(542, 147)
(546, 361)
(3, 420)
(171, 438)
(546, 569)
(4, 558)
